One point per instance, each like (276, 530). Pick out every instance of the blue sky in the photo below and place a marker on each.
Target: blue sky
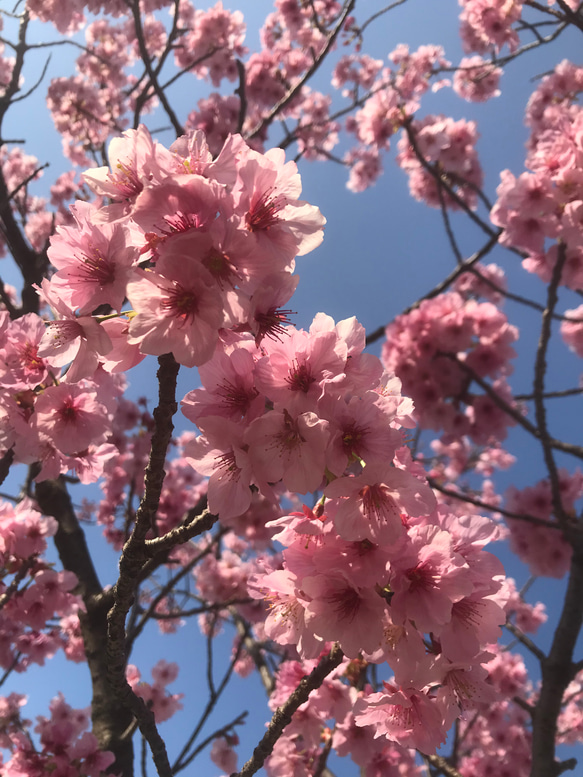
(382, 250)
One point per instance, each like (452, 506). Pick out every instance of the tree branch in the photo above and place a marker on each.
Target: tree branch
(133, 558)
(557, 672)
(441, 287)
(283, 715)
(108, 717)
(285, 101)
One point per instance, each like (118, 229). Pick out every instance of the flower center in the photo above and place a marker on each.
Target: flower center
(126, 180)
(263, 214)
(181, 303)
(299, 377)
(97, 269)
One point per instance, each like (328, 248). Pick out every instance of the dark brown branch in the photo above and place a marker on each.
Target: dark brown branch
(20, 49)
(566, 447)
(133, 558)
(192, 527)
(286, 100)
(492, 508)
(283, 715)
(441, 287)
(159, 91)
(146, 94)
(320, 769)
(31, 265)
(540, 367)
(109, 718)
(557, 672)
(240, 90)
(442, 765)
(526, 641)
(572, 17)
(134, 633)
(524, 705)
(5, 464)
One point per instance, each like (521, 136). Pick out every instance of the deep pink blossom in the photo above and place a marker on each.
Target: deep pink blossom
(178, 312)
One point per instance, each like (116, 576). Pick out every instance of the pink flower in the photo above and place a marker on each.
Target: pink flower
(94, 761)
(225, 458)
(72, 417)
(290, 449)
(363, 431)
(223, 755)
(229, 387)
(136, 161)
(403, 715)
(122, 356)
(78, 340)
(296, 371)
(93, 261)
(476, 80)
(178, 312)
(339, 610)
(406, 716)
(20, 365)
(282, 226)
(370, 505)
(428, 579)
(176, 206)
(572, 330)
(286, 620)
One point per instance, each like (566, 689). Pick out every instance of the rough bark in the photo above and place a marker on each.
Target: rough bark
(110, 718)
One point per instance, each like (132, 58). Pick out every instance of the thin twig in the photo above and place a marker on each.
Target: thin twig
(573, 450)
(144, 54)
(462, 497)
(376, 15)
(283, 715)
(540, 366)
(184, 759)
(524, 640)
(441, 287)
(293, 91)
(549, 395)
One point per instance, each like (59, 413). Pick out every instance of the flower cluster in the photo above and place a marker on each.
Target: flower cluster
(33, 594)
(426, 600)
(67, 748)
(487, 24)
(476, 80)
(545, 550)
(547, 203)
(162, 703)
(296, 410)
(437, 348)
(200, 247)
(448, 146)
